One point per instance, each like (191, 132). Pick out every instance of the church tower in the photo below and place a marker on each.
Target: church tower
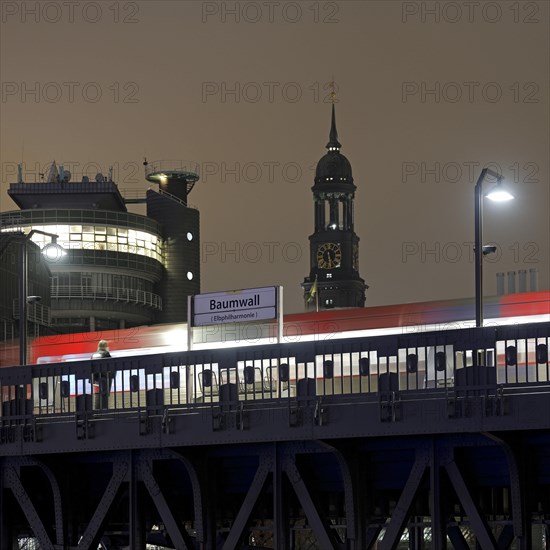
(334, 279)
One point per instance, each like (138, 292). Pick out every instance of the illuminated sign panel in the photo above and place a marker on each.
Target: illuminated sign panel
(253, 304)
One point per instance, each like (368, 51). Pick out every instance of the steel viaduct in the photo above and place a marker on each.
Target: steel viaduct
(428, 440)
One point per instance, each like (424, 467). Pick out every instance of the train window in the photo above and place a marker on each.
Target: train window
(511, 356)
(412, 362)
(542, 353)
(328, 369)
(174, 379)
(207, 378)
(284, 372)
(43, 390)
(248, 375)
(440, 361)
(364, 366)
(134, 383)
(65, 388)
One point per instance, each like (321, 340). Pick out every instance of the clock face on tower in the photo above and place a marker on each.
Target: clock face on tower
(329, 256)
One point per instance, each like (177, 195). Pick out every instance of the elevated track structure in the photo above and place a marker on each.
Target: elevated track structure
(424, 440)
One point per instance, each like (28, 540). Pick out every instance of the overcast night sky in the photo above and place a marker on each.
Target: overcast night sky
(427, 94)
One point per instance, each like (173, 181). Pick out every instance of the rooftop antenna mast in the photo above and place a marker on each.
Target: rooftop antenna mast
(20, 165)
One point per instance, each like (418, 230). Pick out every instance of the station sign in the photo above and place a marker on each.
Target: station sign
(237, 306)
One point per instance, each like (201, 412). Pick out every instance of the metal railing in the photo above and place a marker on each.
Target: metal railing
(475, 362)
(172, 166)
(133, 195)
(128, 295)
(36, 313)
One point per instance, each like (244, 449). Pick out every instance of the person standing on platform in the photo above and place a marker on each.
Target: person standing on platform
(101, 379)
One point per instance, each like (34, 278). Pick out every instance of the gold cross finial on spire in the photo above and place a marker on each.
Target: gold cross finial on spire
(332, 95)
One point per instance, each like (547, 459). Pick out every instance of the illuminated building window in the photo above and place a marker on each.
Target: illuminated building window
(100, 237)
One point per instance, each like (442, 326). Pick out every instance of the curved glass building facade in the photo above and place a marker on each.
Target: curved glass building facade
(117, 268)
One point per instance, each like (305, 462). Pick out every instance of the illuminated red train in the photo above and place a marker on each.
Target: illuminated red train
(324, 325)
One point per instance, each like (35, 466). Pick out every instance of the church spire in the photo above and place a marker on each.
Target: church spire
(333, 144)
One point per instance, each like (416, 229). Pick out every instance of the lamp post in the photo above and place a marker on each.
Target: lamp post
(23, 283)
(498, 193)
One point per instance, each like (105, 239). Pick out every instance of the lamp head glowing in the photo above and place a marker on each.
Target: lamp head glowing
(499, 194)
(53, 251)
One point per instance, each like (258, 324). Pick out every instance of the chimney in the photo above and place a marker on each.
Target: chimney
(511, 282)
(500, 283)
(522, 280)
(533, 279)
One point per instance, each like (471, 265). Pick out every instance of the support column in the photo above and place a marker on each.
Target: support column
(526, 538)
(319, 214)
(280, 518)
(347, 208)
(439, 524)
(5, 523)
(360, 484)
(135, 524)
(23, 282)
(209, 483)
(416, 534)
(334, 212)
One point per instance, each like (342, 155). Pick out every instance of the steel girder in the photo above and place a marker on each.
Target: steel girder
(435, 480)
(127, 468)
(441, 457)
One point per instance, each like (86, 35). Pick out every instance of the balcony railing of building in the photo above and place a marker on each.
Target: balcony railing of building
(137, 196)
(164, 171)
(127, 295)
(172, 167)
(36, 313)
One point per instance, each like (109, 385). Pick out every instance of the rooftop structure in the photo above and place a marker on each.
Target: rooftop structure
(120, 267)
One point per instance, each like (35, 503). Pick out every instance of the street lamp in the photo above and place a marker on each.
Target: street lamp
(498, 194)
(51, 251)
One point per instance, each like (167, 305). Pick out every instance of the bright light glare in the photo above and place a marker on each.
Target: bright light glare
(53, 252)
(366, 333)
(499, 194)
(175, 340)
